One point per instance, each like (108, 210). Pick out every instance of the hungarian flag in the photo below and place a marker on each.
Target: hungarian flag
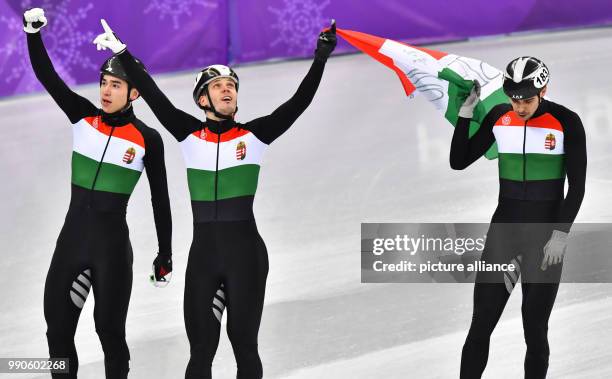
(444, 79)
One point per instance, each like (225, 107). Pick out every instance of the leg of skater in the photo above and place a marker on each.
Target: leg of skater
(204, 300)
(112, 288)
(246, 284)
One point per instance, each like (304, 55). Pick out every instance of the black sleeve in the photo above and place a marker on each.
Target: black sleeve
(574, 145)
(156, 173)
(269, 128)
(464, 150)
(74, 106)
(180, 124)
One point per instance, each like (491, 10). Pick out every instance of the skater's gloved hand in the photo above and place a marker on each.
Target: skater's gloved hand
(554, 251)
(326, 43)
(467, 109)
(33, 20)
(162, 270)
(108, 40)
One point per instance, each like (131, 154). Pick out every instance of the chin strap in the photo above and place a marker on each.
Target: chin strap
(211, 108)
(129, 102)
(120, 117)
(540, 100)
(127, 106)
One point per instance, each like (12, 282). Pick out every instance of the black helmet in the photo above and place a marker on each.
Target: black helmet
(113, 67)
(210, 73)
(525, 77)
(206, 76)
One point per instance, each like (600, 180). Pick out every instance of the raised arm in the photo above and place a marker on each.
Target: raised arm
(74, 106)
(269, 128)
(177, 122)
(465, 150)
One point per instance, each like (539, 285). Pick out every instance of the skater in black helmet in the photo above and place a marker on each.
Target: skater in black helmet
(111, 148)
(540, 143)
(228, 261)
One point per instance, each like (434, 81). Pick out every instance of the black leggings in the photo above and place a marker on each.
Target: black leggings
(228, 264)
(93, 251)
(517, 227)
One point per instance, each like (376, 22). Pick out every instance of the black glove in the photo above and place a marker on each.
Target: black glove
(162, 270)
(326, 43)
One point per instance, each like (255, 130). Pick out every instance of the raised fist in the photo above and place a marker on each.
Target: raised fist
(33, 20)
(326, 43)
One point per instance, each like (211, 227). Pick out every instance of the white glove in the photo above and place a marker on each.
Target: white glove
(33, 20)
(555, 248)
(467, 109)
(108, 40)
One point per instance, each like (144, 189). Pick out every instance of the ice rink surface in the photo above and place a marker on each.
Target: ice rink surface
(362, 152)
